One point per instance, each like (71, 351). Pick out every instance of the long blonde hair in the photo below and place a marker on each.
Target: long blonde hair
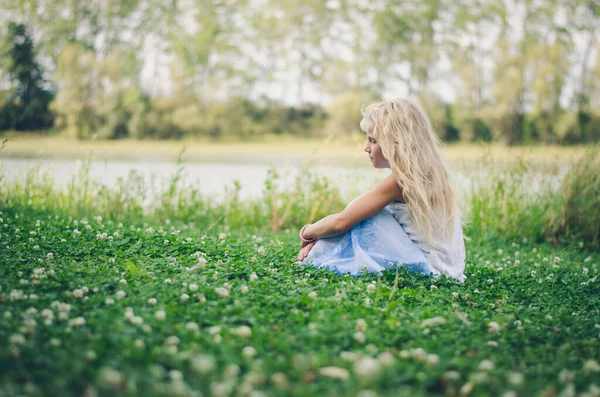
(411, 146)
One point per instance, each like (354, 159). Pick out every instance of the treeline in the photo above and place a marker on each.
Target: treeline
(522, 71)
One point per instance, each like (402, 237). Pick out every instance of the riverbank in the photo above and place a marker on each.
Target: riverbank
(272, 149)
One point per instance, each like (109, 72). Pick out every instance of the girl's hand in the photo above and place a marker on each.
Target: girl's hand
(306, 247)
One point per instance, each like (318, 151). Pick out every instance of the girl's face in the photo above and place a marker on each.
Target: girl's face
(374, 151)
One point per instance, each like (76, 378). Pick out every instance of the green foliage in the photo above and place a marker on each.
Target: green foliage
(504, 206)
(24, 107)
(115, 307)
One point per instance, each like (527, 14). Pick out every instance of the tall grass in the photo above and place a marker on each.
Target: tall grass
(541, 202)
(501, 205)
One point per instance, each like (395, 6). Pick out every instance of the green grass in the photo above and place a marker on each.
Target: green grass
(526, 322)
(545, 302)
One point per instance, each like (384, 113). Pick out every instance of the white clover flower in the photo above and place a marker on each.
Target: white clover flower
(36, 247)
(585, 271)
(184, 297)
(515, 378)
(253, 276)
(202, 363)
(451, 375)
(248, 352)
(359, 337)
(213, 330)
(432, 360)
(224, 292)
(386, 359)
(361, 325)
(371, 288)
(261, 250)
(334, 372)
(222, 236)
(77, 322)
(486, 365)
(366, 367)
(494, 327)
(49, 256)
(500, 251)
(166, 242)
(17, 339)
(312, 294)
(121, 294)
(244, 331)
(191, 326)
(160, 315)
(152, 301)
(110, 378)
(244, 289)
(149, 230)
(492, 343)
(433, 321)
(566, 376)
(123, 281)
(109, 301)
(591, 366)
(168, 281)
(193, 287)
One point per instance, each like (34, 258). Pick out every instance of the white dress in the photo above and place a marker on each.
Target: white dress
(389, 239)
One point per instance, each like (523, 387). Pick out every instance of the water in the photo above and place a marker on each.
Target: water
(213, 179)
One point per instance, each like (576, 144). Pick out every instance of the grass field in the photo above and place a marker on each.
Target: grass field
(94, 307)
(100, 296)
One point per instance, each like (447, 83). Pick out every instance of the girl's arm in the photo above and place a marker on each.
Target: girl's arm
(360, 209)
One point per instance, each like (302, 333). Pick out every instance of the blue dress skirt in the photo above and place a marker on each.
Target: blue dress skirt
(377, 243)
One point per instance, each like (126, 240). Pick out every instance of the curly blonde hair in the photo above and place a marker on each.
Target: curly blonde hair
(412, 148)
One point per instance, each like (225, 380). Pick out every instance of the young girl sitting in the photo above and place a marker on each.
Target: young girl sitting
(409, 219)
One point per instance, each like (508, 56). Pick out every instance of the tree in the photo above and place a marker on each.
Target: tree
(26, 106)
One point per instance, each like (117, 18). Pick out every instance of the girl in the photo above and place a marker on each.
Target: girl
(410, 219)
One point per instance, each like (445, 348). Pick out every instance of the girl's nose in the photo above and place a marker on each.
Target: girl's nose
(366, 149)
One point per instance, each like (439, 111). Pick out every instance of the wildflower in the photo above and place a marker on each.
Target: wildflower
(121, 294)
(191, 326)
(244, 331)
(110, 378)
(152, 301)
(585, 271)
(77, 322)
(438, 320)
(591, 366)
(123, 281)
(193, 287)
(17, 339)
(566, 376)
(486, 365)
(36, 247)
(224, 292)
(334, 372)
(248, 352)
(500, 251)
(50, 256)
(166, 242)
(244, 289)
(253, 276)
(222, 236)
(361, 325)
(184, 297)
(359, 337)
(366, 367)
(312, 294)
(466, 388)
(494, 327)
(109, 301)
(202, 363)
(160, 315)
(433, 360)
(515, 378)
(371, 288)
(139, 343)
(261, 250)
